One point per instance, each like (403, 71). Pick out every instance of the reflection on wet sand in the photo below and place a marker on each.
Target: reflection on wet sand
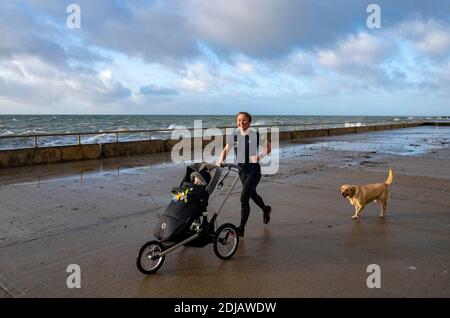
(366, 149)
(81, 170)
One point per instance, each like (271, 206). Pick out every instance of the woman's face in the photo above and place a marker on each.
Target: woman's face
(242, 122)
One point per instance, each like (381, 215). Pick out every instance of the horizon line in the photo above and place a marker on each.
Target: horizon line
(253, 114)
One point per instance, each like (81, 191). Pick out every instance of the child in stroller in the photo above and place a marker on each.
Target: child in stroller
(189, 204)
(185, 220)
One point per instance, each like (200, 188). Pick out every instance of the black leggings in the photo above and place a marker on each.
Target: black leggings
(249, 182)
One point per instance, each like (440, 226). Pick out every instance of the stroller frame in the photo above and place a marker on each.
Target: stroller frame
(212, 235)
(214, 216)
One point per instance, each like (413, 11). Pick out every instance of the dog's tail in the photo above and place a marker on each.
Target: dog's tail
(390, 178)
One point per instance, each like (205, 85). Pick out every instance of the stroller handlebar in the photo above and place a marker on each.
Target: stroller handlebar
(231, 166)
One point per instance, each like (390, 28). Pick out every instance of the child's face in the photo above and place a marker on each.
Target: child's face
(197, 181)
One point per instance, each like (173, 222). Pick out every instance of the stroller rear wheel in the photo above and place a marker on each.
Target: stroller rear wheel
(226, 241)
(148, 259)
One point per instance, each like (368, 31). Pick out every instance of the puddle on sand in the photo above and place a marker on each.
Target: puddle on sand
(404, 142)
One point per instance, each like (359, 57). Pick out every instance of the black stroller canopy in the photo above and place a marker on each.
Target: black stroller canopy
(210, 173)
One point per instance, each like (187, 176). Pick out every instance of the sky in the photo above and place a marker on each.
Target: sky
(287, 57)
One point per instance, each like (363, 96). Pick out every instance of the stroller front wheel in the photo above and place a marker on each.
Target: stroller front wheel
(226, 241)
(148, 259)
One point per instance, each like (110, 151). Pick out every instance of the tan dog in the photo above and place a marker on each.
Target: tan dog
(360, 195)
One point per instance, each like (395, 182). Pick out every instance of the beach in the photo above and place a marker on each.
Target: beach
(97, 214)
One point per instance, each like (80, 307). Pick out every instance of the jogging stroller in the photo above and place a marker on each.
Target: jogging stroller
(185, 220)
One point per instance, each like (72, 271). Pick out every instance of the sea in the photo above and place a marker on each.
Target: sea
(97, 125)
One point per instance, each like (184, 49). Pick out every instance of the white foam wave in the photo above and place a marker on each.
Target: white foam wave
(261, 123)
(7, 133)
(346, 125)
(174, 126)
(98, 138)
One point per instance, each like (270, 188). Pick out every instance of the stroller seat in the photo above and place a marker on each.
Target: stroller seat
(189, 201)
(210, 173)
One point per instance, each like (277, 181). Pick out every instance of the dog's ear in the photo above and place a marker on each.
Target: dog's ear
(353, 189)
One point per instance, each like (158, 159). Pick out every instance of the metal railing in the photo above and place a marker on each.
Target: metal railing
(147, 134)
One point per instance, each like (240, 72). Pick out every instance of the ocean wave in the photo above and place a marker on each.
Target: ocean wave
(261, 123)
(7, 133)
(174, 126)
(346, 125)
(97, 138)
(33, 131)
(122, 129)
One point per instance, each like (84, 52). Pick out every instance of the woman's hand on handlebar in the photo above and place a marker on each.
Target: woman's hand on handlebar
(222, 156)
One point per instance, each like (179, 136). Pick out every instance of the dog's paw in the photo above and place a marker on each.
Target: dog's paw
(381, 216)
(355, 217)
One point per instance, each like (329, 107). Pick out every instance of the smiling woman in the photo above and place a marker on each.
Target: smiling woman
(246, 148)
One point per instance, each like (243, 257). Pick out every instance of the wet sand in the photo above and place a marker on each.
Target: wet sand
(98, 213)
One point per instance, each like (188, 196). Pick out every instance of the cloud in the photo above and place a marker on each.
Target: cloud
(43, 65)
(198, 77)
(361, 49)
(171, 32)
(28, 79)
(430, 37)
(274, 28)
(267, 28)
(156, 31)
(298, 63)
(232, 52)
(158, 91)
(24, 32)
